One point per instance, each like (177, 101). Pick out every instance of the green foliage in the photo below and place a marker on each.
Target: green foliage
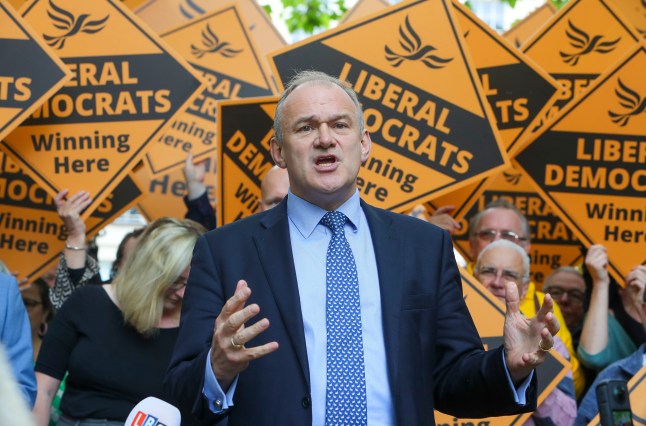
(310, 16)
(557, 3)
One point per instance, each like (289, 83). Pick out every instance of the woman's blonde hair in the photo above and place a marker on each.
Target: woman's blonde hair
(162, 253)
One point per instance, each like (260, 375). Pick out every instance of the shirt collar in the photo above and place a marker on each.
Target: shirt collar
(305, 215)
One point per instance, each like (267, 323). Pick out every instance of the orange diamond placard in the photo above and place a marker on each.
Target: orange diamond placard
(126, 86)
(589, 164)
(31, 71)
(245, 128)
(580, 42)
(217, 45)
(430, 124)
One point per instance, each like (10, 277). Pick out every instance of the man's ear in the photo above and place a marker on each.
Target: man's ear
(276, 150)
(366, 146)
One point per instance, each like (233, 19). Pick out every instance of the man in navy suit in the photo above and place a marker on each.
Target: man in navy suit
(421, 350)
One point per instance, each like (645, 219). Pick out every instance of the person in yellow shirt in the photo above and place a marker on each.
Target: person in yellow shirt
(502, 220)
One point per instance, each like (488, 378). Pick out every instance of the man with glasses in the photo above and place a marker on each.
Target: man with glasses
(503, 261)
(567, 287)
(501, 220)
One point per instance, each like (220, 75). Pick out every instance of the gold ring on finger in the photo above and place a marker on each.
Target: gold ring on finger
(238, 346)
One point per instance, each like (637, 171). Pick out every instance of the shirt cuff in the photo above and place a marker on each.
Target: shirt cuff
(520, 392)
(219, 401)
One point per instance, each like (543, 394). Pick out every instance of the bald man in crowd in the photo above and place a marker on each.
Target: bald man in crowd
(273, 188)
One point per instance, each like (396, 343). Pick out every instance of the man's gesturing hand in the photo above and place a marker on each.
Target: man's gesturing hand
(229, 356)
(527, 340)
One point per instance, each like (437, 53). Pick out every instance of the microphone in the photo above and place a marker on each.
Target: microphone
(154, 412)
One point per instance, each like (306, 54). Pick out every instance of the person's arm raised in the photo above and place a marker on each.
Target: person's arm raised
(70, 212)
(594, 335)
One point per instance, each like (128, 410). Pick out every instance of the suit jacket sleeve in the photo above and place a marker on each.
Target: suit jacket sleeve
(203, 301)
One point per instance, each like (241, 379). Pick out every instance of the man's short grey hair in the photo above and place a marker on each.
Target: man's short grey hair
(500, 203)
(513, 246)
(568, 269)
(310, 76)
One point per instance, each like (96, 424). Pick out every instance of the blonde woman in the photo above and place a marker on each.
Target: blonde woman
(116, 340)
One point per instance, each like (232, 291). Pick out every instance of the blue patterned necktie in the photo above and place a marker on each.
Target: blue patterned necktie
(346, 380)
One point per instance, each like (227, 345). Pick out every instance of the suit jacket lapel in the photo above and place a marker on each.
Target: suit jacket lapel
(275, 252)
(389, 253)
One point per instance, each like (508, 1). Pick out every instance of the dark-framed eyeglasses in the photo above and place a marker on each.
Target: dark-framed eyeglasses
(491, 234)
(557, 292)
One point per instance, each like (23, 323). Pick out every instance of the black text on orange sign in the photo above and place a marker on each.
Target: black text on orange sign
(426, 145)
(97, 102)
(15, 88)
(599, 176)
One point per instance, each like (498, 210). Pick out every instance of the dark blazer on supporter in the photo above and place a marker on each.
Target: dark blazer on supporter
(435, 356)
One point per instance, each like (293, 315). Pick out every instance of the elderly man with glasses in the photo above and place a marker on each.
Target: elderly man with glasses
(501, 262)
(501, 220)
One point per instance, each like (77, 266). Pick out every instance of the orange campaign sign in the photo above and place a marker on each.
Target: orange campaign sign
(164, 193)
(161, 15)
(363, 8)
(583, 40)
(637, 396)
(31, 233)
(219, 47)
(245, 128)
(91, 132)
(552, 243)
(516, 88)
(429, 121)
(588, 163)
(488, 314)
(31, 71)
(635, 12)
(522, 30)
